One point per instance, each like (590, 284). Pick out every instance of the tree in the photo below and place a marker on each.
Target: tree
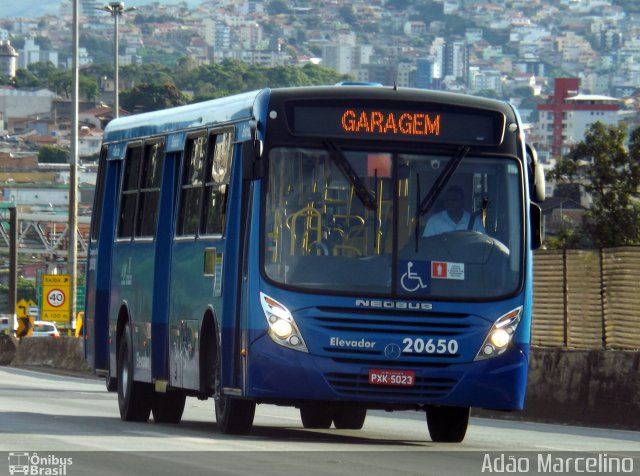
(609, 171)
(49, 154)
(348, 15)
(277, 7)
(26, 79)
(60, 82)
(147, 97)
(25, 290)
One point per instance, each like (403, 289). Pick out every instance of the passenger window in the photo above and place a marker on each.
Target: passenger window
(150, 181)
(129, 195)
(140, 197)
(218, 176)
(96, 221)
(191, 187)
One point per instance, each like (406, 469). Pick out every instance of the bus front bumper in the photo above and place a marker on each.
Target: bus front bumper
(276, 374)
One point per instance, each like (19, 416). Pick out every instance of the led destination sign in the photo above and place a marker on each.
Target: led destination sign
(475, 127)
(378, 122)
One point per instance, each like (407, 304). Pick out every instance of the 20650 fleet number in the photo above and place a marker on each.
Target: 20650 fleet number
(429, 346)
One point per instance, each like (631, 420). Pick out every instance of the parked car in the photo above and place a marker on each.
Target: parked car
(44, 329)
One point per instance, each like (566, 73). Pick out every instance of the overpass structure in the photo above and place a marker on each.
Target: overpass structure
(45, 234)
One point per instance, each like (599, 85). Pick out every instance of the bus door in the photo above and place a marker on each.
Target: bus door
(198, 253)
(134, 266)
(96, 325)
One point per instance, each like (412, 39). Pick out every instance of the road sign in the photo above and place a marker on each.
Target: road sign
(25, 326)
(55, 298)
(80, 298)
(24, 308)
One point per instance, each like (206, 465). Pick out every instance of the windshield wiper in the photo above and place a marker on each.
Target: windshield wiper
(443, 179)
(360, 189)
(430, 198)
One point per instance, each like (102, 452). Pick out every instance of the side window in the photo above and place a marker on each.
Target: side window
(129, 197)
(217, 179)
(98, 200)
(140, 197)
(191, 186)
(150, 179)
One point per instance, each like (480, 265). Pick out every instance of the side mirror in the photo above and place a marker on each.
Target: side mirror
(537, 179)
(252, 163)
(535, 219)
(539, 193)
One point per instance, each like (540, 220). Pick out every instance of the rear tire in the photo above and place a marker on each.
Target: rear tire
(349, 417)
(316, 416)
(168, 407)
(447, 424)
(234, 415)
(134, 398)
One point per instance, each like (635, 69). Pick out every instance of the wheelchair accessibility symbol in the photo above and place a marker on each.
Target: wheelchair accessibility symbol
(415, 276)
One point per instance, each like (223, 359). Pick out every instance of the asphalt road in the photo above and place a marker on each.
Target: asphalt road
(65, 425)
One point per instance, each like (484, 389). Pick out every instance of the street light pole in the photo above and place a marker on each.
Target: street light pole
(116, 9)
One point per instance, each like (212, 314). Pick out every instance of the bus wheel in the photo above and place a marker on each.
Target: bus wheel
(168, 407)
(111, 384)
(316, 416)
(447, 424)
(134, 398)
(349, 417)
(234, 415)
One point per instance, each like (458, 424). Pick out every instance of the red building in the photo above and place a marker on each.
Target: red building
(567, 115)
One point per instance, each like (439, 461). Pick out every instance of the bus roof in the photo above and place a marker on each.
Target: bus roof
(241, 107)
(207, 113)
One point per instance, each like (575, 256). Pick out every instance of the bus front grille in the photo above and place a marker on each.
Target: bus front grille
(349, 385)
(383, 335)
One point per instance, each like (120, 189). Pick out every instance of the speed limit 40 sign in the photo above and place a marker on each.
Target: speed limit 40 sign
(55, 297)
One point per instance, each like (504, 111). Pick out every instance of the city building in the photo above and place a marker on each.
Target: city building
(567, 115)
(8, 58)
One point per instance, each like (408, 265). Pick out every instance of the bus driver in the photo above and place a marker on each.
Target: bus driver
(454, 216)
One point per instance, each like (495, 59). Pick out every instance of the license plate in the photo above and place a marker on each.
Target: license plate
(401, 378)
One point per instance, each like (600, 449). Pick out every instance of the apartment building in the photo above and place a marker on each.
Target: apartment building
(566, 117)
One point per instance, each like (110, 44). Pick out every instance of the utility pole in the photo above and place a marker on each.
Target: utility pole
(116, 9)
(13, 265)
(72, 257)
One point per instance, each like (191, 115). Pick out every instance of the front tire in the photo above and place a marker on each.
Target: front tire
(168, 407)
(349, 417)
(316, 416)
(234, 415)
(134, 398)
(447, 424)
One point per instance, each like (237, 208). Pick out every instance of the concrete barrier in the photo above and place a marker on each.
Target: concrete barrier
(7, 350)
(581, 387)
(65, 353)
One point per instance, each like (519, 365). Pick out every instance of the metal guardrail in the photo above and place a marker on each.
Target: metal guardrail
(587, 299)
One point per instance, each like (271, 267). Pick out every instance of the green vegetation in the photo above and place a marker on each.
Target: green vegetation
(629, 6)
(609, 171)
(159, 86)
(151, 97)
(26, 290)
(49, 154)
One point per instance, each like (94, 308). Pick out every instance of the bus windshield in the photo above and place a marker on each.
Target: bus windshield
(410, 225)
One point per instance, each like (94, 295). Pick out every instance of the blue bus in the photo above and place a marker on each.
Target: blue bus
(334, 249)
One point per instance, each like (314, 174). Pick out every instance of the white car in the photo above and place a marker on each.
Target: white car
(44, 329)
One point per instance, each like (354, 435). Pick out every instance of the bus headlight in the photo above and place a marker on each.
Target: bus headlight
(500, 335)
(282, 327)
